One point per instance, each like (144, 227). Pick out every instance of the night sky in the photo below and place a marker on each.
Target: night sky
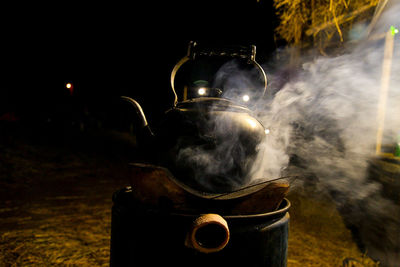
(110, 49)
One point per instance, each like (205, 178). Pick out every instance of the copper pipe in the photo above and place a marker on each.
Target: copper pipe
(209, 233)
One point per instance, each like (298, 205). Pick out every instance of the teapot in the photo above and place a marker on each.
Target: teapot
(209, 139)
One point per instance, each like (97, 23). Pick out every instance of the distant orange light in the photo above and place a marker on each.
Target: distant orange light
(70, 88)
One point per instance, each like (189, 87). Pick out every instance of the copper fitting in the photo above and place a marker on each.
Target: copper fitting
(209, 233)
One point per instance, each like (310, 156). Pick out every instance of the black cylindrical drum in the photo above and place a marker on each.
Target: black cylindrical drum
(144, 236)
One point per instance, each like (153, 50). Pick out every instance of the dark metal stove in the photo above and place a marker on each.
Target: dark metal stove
(142, 236)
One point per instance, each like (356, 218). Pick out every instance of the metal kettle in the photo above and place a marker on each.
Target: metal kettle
(207, 140)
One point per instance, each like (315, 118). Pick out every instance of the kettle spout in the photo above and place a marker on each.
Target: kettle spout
(144, 132)
(139, 111)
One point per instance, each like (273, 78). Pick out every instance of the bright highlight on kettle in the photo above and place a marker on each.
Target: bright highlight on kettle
(201, 91)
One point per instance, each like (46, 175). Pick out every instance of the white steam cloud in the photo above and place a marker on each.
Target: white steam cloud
(322, 125)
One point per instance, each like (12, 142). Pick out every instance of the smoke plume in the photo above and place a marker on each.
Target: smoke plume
(322, 122)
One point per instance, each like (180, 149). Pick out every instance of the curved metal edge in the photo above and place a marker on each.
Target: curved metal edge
(282, 210)
(173, 74)
(138, 109)
(255, 63)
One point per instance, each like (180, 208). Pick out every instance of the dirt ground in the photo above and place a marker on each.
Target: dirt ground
(55, 206)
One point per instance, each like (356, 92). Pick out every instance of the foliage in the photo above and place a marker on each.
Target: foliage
(320, 22)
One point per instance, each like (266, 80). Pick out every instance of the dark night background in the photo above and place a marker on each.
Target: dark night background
(107, 50)
(59, 164)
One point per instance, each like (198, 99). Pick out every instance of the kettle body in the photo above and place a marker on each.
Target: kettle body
(210, 144)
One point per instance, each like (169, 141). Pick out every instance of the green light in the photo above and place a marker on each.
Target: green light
(393, 30)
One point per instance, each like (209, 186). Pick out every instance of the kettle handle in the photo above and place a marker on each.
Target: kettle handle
(191, 56)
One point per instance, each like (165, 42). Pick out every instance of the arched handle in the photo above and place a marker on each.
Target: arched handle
(173, 74)
(250, 55)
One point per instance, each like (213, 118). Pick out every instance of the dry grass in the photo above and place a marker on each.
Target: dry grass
(69, 239)
(55, 207)
(55, 210)
(318, 236)
(320, 22)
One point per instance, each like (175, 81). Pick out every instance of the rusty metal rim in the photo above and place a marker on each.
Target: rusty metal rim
(247, 216)
(211, 196)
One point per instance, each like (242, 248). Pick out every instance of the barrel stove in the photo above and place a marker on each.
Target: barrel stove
(151, 237)
(218, 231)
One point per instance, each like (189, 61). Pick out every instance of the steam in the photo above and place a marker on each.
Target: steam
(322, 124)
(326, 118)
(219, 158)
(323, 127)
